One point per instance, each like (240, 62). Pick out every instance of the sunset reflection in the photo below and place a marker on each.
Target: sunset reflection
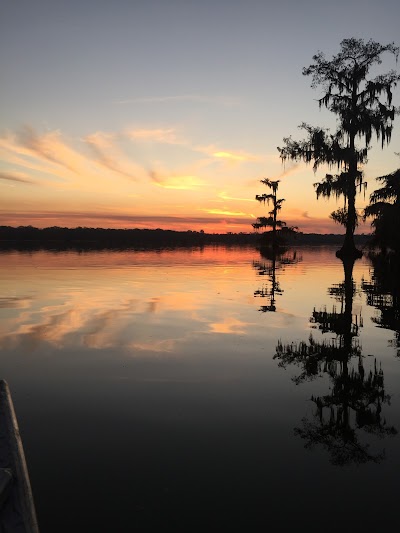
(117, 300)
(137, 301)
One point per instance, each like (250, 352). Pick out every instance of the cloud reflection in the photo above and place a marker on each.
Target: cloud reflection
(15, 302)
(93, 309)
(230, 325)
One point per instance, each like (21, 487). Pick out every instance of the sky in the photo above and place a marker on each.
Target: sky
(167, 114)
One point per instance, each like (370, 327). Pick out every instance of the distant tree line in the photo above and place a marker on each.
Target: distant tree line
(29, 237)
(56, 238)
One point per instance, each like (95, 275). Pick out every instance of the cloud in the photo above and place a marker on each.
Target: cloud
(224, 196)
(161, 135)
(286, 172)
(231, 156)
(89, 164)
(113, 220)
(188, 183)
(67, 166)
(47, 154)
(227, 213)
(17, 177)
(15, 152)
(228, 156)
(107, 154)
(51, 147)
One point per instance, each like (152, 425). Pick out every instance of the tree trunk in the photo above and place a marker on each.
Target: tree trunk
(349, 248)
(274, 243)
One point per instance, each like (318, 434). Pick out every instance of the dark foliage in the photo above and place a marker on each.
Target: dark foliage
(384, 209)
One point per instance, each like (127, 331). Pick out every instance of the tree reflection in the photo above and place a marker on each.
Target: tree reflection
(272, 260)
(354, 402)
(383, 293)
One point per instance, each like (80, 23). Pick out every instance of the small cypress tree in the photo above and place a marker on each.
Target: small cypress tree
(280, 230)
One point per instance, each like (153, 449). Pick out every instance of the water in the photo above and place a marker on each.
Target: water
(169, 389)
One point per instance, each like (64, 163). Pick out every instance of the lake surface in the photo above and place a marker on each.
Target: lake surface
(171, 389)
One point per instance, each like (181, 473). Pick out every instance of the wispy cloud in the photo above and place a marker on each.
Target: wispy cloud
(66, 165)
(161, 135)
(228, 156)
(90, 163)
(188, 183)
(287, 171)
(231, 156)
(291, 169)
(47, 154)
(225, 212)
(106, 152)
(225, 196)
(14, 151)
(18, 178)
(51, 147)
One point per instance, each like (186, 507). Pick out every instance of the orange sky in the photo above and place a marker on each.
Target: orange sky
(134, 119)
(98, 181)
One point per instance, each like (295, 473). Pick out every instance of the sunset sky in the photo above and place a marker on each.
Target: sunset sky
(166, 114)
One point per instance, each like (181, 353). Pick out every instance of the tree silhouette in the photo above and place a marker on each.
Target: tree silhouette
(356, 101)
(354, 402)
(384, 208)
(280, 230)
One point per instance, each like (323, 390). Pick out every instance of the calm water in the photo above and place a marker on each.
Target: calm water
(172, 389)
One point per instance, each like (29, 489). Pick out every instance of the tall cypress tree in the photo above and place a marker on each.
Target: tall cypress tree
(363, 106)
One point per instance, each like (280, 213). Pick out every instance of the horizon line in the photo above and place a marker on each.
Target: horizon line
(165, 229)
